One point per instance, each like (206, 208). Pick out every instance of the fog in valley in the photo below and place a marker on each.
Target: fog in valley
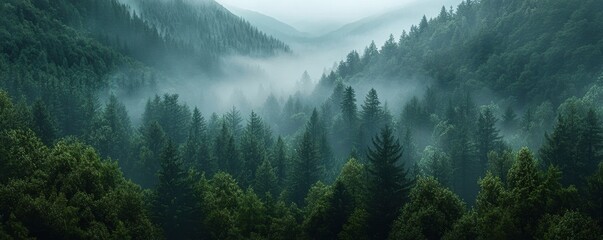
(295, 120)
(246, 82)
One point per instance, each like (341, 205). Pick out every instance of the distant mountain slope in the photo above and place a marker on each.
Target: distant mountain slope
(382, 24)
(269, 25)
(207, 26)
(530, 51)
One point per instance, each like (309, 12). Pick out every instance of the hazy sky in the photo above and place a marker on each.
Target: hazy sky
(316, 11)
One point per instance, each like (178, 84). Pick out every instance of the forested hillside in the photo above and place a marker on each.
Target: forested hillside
(207, 26)
(528, 51)
(344, 162)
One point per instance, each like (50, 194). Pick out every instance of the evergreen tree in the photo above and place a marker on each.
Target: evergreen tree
(430, 213)
(265, 182)
(561, 149)
(174, 205)
(280, 161)
(487, 137)
(318, 133)
(590, 145)
(233, 121)
(225, 153)
(43, 123)
(371, 117)
(306, 168)
(149, 163)
(389, 185)
(113, 130)
(253, 149)
(196, 151)
(509, 119)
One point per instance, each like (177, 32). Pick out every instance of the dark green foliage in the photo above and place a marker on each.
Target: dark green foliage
(570, 225)
(372, 118)
(280, 161)
(575, 145)
(389, 185)
(431, 212)
(196, 148)
(306, 168)
(112, 133)
(487, 137)
(43, 123)
(253, 148)
(150, 148)
(67, 192)
(175, 209)
(529, 57)
(225, 153)
(265, 183)
(172, 116)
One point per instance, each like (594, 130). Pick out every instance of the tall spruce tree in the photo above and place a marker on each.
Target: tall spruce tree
(225, 153)
(372, 114)
(174, 205)
(196, 151)
(487, 137)
(306, 168)
(43, 123)
(389, 185)
(280, 161)
(253, 149)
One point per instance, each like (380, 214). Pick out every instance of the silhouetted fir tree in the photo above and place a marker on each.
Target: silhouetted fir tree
(340, 207)
(372, 115)
(174, 205)
(318, 133)
(369, 55)
(590, 145)
(349, 113)
(561, 146)
(225, 153)
(280, 161)
(388, 183)
(112, 133)
(265, 181)
(196, 150)
(509, 119)
(149, 163)
(43, 123)
(409, 155)
(487, 137)
(306, 169)
(253, 150)
(233, 121)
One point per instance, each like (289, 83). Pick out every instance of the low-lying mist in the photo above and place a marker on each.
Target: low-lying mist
(246, 82)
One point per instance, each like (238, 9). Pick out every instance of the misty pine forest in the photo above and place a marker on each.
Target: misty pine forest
(179, 119)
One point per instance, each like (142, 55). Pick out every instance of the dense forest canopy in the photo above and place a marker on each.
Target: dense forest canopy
(504, 140)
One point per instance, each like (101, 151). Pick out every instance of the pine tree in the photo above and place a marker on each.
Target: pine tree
(306, 169)
(487, 137)
(43, 123)
(590, 145)
(196, 151)
(225, 153)
(389, 185)
(371, 117)
(174, 204)
(280, 161)
(253, 148)
(560, 148)
(154, 141)
(509, 119)
(265, 184)
(233, 121)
